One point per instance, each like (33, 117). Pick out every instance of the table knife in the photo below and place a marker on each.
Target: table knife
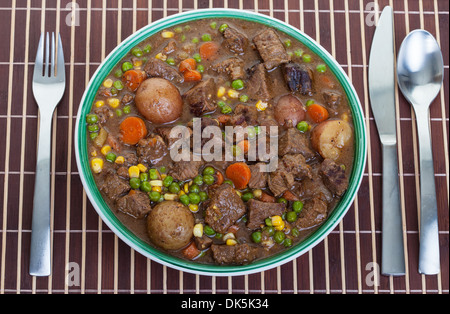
(382, 98)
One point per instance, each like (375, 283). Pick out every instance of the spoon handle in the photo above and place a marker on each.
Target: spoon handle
(429, 234)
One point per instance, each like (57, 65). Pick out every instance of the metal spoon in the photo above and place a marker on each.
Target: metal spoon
(420, 73)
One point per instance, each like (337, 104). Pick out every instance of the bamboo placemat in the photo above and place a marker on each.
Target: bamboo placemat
(89, 258)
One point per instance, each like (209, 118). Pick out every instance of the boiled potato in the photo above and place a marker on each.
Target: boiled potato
(289, 111)
(159, 101)
(331, 137)
(170, 225)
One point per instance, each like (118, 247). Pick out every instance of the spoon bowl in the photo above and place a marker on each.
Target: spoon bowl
(420, 69)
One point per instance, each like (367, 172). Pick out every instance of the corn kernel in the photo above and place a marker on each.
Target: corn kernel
(94, 153)
(120, 160)
(280, 226)
(170, 196)
(257, 193)
(97, 165)
(261, 106)
(161, 57)
(344, 117)
(181, 193)
(276, 220)
(167, 34)
(105, 149)
(221, 91)
(108, 83)
(137, 63)
(229, 235)
(193, 208)
(114, 102)
(156, 183)
(198, 230)
(99, 103)
(156, 189)
(231, 242)
(186, 188)
(238, 193)
(163, 176)
(133, 172)
(233, 94)
(142, 168)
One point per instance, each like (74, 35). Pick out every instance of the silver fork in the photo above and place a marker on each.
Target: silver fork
(49, 82)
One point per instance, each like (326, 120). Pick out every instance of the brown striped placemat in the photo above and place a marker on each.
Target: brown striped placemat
(345, 262)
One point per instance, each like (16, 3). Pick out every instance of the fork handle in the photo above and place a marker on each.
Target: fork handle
(40, 252)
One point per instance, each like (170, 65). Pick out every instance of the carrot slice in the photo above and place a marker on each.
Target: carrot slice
(267, 198)
(288, 195)
(219, 178)
(191, 251)
(208, 51)
(192, 76)
(244, 146)
(317, 113)
(187, 65)
(133, 79)
(240, 174)
(133, 129)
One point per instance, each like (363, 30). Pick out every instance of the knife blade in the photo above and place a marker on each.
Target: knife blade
(382, 98)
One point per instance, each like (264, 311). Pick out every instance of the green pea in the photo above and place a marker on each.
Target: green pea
(208, 179)
(194, 198)
(126, 66)
(194, 188)
(187, 28)
(126, 109)
(114, 91)
(91, 118)
(184, 199)
(195, 40)
(146, 187)
(197, 57)
(268, 222)
(306, 58)
(178, 29)
(135, 183)
(243, 98)
(295, 232)
(93, 128)
(206, 37)
(218, 235)
(143, 176)
(309, 102)
(287, 43)
(162, 169)
(237, 84)
(203, 196)
(174, 188)
(153, 174)
(247, 196)
(282, 200)
(257, 236)
(297, 206)
(170, 61)
(119, 112)
(93, 135)
(303, 126)
(226, 109)
(269, 230)
(251, 132)
(155, 196)
(147, 48)
(321, 68)
(223, 27)
(287, 242)
(137, 52)
(168, 181)
(118, 73)
(298, 52)
(291, 216)
(183, 37)
(111, 157)
(229, 182)
(208, 230)
(221, 104)
(209, 170)
(258, 130)
(279, 236)
(118, 85)
(198, 180)
(213, 25)
(200, 68)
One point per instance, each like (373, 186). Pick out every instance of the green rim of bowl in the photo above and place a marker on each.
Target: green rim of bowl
(147, 250)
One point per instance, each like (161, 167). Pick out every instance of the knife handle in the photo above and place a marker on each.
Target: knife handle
(392, 254)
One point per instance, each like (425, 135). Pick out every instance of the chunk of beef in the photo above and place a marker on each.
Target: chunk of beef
(334, 177)
(234, 254)
(233, 66)
(186, 170)
(314, 212)
(314, 187)
(298, 78)
(258, 179)
(332, 99)
(170, 47)
(296, 164)
(103, 113)
(224, 208)
(271, 49)
(295, 142)
(151, 150)
(157, 68)
(171, 140)
(235, 41)
(113, 186)
(135, 204)
(257, 84)
(280, 180)
(202, 243)
(127, 99)
(258, 211)
(200, 97)
(130, 159)
(244, 116)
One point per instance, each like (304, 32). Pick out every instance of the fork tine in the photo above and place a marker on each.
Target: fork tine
(60, 67)
(52, 60)
(47, 54)
(38, 66)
